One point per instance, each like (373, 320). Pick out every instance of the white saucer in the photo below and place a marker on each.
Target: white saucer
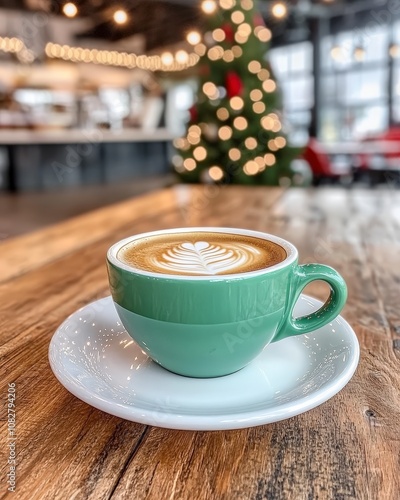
(94, 358)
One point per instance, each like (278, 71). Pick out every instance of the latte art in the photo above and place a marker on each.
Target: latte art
(206, 259)
(201, 254)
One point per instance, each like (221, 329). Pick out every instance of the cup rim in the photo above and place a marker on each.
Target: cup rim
(291, 251)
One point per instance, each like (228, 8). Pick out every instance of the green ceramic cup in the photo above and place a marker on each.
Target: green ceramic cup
(214, 326)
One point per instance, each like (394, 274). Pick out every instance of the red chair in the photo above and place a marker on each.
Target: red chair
(319, 162)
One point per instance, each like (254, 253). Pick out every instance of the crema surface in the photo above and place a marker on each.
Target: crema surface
(201, 254)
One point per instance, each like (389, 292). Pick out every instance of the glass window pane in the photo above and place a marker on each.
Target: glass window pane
(301, 57)
(376, 45)
(365, 85)
(279, 59)
(298, 93)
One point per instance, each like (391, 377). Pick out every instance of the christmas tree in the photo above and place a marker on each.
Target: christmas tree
(235, 131)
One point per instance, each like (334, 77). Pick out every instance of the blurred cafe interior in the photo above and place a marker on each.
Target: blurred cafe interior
(96, 98)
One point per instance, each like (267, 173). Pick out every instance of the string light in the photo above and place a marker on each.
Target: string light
(394, 51)
(236, 103)
(272, 145)
(215, 53)
(244, 29)
(280, 142)
(189, 164)
(200, 49)
(227, 4)
(234, 154)
(267, 123)
(260, 162)
(269, 159)
(251, 143)
(182, 57)
(225, 133)
(208, 6)
(254, 67)
(237, 51)
(200, 153)
(256, 95)
(122, 59)
(70, 9)
(237, 17)
(279, 10)
(12, 45)
(263, 75)
(247, 4)
(337, 53)
(216, 173)
(240, 123)
(120, 16)
(259, 107)
(210, 90)
(263, 33)
(222, 114)
(228, 56)
(359, 54)
(239, 38)
(218, 35)
(193, 139)
(193, 37)
(269, 86)
(251, 168)
(167, 58)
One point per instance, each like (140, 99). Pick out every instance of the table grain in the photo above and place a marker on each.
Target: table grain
(347, 448)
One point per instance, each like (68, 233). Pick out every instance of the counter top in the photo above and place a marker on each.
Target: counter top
(77, 136)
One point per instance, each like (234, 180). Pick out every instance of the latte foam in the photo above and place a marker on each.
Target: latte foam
(201, 253)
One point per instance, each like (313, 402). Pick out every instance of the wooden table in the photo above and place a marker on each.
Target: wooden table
(348, 448)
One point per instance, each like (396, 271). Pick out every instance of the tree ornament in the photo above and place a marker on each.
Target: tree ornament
(233, 84)
(229, 32)
(194, 114)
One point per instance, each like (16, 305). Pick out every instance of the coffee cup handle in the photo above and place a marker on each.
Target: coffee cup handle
(329, 311)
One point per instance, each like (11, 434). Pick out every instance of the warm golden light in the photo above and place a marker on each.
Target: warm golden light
(272, 145)
(277, 126)
(237, 51)
(239, 38)
(259, 107)
(280, 142)
(200, 153)
(263, 34)
(120, 16)
(167, 58)
(193, 139)
(70, 9)
(182, 57)
(240, 123)
(227, 4)
(225, 133)
(208, 6)
(263, 74)
(234, 154)
(247, 4)
(267, 122)
(251, 168)
(236, 103)
(269, 159)
(194, 130)
(269, 86)
(251, 143)
(222, 114)
(215, 53)
(254, 67)
(237, 17)
(218, 35)
(200, 49)
(210, 90)
(216, 173)
(260, 162)
(394, 51)
(244, 29)
(228, 56)
(189, 164)
(279, 10)
(256, 95)
(193, 37)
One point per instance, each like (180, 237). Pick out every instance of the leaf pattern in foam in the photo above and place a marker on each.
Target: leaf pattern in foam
(206, 259)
